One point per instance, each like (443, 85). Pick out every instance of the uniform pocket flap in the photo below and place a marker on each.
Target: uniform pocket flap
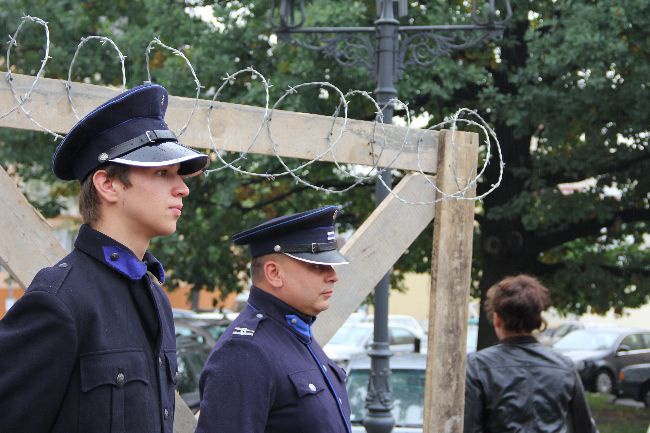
(112, 368)
(338, 371)
(307, 382)
(172, 364)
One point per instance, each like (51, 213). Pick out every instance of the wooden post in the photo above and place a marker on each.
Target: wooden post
(450, 282)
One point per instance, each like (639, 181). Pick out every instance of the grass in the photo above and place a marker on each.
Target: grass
(616, 418)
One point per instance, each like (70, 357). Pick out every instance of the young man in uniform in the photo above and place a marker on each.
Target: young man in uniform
(267, 374)
(90, 347)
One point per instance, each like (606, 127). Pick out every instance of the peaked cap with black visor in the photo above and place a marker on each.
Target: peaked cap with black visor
(128, 129)
(306, 236)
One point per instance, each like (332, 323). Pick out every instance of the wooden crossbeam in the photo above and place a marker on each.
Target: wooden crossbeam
(374, 248)
(297, 135)
(26, 240)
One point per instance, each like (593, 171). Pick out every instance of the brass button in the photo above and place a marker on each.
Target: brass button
(114, 256)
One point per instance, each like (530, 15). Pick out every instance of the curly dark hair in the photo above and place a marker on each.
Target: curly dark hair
(519, 301)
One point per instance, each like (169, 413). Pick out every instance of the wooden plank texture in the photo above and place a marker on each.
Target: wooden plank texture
(297, 135)
(450, 282)
(26, 240)
(374, 248)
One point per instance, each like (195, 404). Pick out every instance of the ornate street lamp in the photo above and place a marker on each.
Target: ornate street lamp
(386, 50)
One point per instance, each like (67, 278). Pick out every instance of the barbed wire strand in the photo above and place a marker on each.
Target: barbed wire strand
(22, 100)
(156, 41)
(102, 40)
(378, 141)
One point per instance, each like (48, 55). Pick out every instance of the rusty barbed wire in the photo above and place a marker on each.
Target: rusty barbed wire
(465, 182)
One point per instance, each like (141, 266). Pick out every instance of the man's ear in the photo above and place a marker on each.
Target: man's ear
(273, 273)
(106, 187)
(496, 320)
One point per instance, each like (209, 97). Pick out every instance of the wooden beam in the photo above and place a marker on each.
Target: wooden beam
(374, 248)
(297, 135)
(451, 266)
(27, 245)
(26, 240)
(184, 420)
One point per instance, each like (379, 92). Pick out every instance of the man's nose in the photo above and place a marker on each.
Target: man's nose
(332, 276)
(181, 189)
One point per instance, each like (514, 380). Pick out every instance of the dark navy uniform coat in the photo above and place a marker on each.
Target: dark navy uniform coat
(267, 375)
(90, 347)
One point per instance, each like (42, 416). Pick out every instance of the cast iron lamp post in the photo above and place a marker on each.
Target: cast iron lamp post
(385, 50)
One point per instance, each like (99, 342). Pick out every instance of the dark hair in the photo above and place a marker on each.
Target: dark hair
(88, 198)
(257, 266)
(519, 301)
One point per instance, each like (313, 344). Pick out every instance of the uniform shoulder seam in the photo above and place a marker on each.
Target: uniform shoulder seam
(50, 279)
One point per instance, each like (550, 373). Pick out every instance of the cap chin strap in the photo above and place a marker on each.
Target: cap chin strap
(314, 247)
(137, 142)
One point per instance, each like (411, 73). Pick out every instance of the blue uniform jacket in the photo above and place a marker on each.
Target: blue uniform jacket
(267, 375)
(90, 347)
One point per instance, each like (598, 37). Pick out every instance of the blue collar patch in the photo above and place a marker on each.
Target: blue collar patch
(299, 325)
(123, 261)
(115, 255)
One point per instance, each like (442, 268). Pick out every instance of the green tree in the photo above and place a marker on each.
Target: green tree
(565, 90)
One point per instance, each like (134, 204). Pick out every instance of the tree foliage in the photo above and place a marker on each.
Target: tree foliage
(566, 91)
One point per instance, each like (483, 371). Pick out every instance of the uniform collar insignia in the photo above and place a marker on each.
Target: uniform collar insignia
(298, 325)
(280, 311)
(117, 256)
(243, 331)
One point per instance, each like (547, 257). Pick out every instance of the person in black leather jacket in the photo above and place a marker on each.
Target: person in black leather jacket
(520, 385)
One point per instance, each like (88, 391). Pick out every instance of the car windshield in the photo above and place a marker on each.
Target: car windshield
(216, 330)
(408, 396)
(351, 336)
(587, 339)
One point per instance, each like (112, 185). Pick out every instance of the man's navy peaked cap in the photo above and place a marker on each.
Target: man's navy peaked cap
(306, 236)
(129, 129)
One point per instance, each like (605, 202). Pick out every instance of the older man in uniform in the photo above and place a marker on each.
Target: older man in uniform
(90, 347)
(267, 374)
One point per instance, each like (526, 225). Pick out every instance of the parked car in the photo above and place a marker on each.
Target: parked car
(182, 313)
(191, 355)
(634, 382)
(356, 338)
(205, 330)
(599, 354)
(399, 319)
(407, 382)
(552, 335)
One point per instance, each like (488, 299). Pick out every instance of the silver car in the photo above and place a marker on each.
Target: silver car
(407, 381)
(354, 339)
